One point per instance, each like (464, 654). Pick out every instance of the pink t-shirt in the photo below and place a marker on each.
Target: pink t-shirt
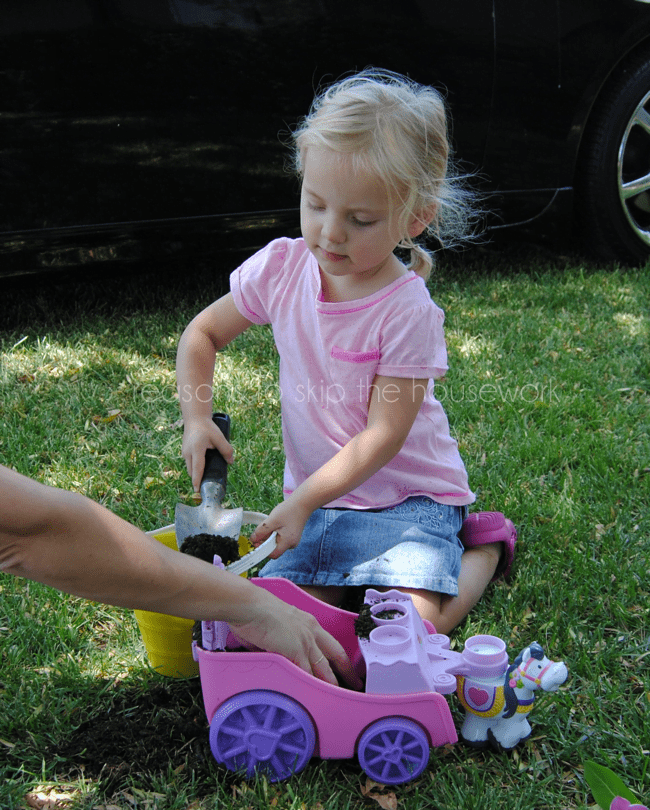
(329, 356)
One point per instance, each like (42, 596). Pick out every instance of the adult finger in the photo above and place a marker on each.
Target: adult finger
(337, 658)
(328, 656)
(321, 669)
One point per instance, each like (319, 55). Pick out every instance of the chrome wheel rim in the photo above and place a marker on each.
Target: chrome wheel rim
(633, 170)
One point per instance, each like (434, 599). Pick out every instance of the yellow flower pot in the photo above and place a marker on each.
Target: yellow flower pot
(168, 639)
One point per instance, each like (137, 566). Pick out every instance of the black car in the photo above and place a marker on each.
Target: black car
(150, 129)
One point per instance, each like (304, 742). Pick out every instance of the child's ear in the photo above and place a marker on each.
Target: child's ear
(419, 222)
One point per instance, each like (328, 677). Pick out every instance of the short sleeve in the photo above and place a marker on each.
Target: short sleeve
(413, 344)
(254, 284)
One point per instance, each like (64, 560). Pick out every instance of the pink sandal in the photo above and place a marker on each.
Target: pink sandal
(480, 528)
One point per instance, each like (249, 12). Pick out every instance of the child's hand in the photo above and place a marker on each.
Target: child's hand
(199, 435)
(288, 520)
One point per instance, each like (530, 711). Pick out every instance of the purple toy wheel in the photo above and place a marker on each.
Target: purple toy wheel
(393, 750)
(262, 732)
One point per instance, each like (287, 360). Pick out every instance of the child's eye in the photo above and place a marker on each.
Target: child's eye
(363, 223)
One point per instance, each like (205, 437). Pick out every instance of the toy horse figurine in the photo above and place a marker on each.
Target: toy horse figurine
(497, 707)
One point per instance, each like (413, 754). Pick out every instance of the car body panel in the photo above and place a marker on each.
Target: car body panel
(151, 128)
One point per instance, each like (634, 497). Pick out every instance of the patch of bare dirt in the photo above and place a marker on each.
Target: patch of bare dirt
(140, 731)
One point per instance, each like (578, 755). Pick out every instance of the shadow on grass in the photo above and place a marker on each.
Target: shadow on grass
(59, 298)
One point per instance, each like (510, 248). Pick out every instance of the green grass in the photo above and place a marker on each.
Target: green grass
(548, 395)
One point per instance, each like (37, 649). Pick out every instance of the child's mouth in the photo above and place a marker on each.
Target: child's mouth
(333, 257)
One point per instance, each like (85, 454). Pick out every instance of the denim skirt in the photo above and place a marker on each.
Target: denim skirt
(411, 545)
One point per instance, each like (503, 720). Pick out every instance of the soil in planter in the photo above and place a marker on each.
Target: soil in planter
(364, 624)
(389, 614)
(205, 546)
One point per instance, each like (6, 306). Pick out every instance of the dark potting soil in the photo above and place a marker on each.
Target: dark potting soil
(141, 731)
(205, 546)
(388, 614)
(364, 624)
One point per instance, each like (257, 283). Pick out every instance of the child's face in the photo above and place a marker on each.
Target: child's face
(346, 217)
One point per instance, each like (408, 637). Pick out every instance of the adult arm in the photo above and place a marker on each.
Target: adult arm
(71, 543)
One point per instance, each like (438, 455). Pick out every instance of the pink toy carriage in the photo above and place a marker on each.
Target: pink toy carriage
(268, 716)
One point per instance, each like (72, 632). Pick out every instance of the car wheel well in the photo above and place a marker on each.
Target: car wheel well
(612, 152)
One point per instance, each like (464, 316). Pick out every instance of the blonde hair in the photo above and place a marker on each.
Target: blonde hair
(395, 129)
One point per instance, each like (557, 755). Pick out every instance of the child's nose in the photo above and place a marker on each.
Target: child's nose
(333, 229)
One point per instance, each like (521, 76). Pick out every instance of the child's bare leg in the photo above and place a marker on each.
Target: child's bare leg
(330, 594)
(477, 568)
(427, 603)
(445, 612)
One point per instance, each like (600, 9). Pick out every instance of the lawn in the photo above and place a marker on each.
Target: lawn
(548, 394)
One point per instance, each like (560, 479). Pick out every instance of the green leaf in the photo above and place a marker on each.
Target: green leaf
(605, 785)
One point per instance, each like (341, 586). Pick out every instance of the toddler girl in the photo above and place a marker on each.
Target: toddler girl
(375, 489)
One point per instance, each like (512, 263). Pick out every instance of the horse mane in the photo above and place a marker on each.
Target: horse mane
(536, 651)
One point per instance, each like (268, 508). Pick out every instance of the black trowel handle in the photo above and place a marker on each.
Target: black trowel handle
(216, 466)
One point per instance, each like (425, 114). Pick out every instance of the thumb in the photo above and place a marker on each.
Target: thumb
(261, 533)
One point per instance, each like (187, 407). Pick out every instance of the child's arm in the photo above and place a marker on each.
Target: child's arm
(394, 404)
(211, 330)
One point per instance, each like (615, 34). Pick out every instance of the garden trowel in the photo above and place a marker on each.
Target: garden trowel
(209, 517)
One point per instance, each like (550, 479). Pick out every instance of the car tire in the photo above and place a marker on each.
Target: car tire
(613, 180)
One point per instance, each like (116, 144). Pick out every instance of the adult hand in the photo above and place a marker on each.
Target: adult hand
(288, 520)
(199, 435)
(285, 629)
